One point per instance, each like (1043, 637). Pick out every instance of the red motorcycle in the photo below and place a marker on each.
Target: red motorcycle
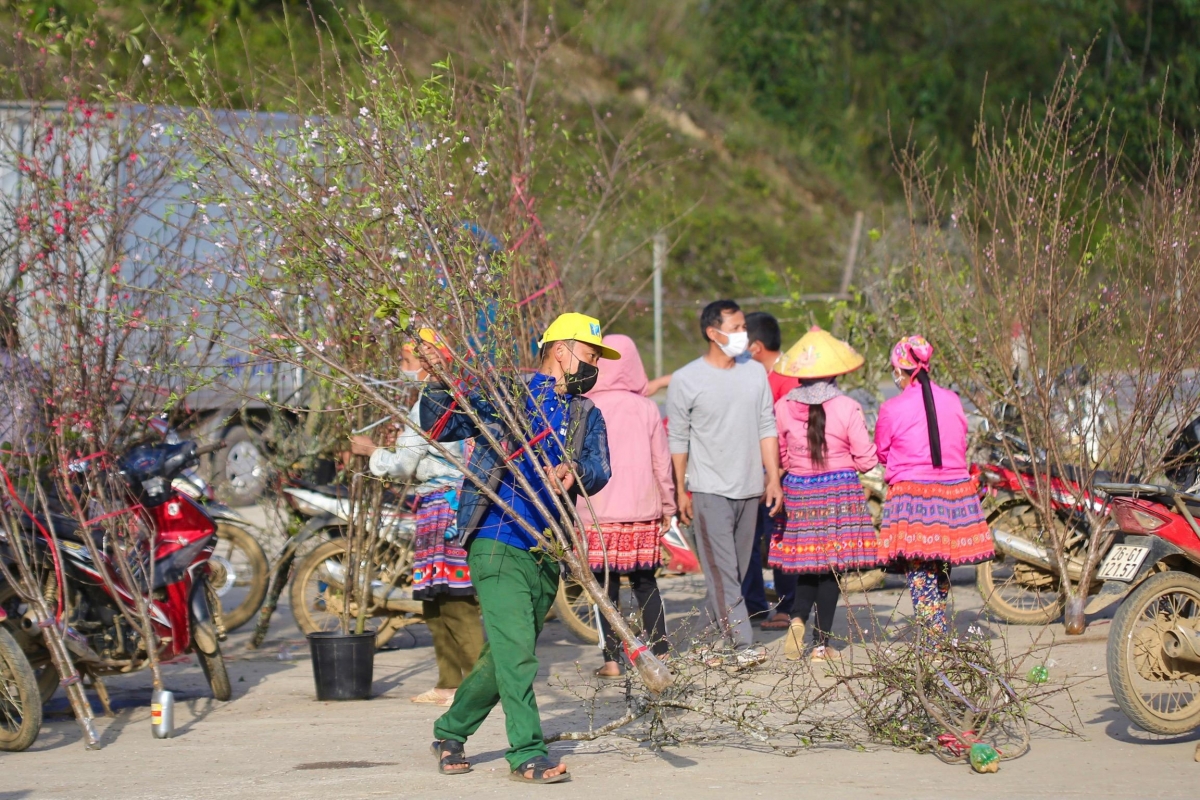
(1020, 585)
(1154, 644)
(182, 605)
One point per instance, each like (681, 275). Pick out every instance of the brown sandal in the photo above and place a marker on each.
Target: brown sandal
(779, 622)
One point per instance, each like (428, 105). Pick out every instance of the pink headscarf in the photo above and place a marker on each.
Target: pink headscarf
(912, 353)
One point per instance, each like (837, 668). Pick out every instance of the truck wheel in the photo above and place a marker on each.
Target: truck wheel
(241, 469)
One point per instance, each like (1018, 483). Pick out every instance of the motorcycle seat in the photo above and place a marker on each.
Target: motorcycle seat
(1072, 473)
(390, 497)
(327, 489)
(64, 526)
(1104, 476)
(1079, 476)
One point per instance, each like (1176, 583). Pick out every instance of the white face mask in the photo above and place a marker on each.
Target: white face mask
(737, 344)
(412, 374)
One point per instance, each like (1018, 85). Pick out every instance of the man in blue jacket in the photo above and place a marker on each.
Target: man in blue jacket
(515, 575)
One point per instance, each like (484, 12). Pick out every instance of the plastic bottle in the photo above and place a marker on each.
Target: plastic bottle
(1038, 674)
(162, 714)
(984, 758)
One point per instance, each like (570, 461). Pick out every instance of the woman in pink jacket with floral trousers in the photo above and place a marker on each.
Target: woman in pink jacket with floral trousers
(932, 519)
(824, 445)
(624, 521)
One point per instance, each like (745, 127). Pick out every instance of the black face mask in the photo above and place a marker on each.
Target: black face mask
(583, 379)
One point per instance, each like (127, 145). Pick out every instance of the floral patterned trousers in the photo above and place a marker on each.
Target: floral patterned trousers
(929, 585)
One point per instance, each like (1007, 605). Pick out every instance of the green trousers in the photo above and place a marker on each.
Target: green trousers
(453, 620)
(516, 589)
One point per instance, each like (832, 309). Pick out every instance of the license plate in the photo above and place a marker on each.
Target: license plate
(1122, 563)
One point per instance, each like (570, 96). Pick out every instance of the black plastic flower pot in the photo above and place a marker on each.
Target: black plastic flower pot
(343, 664)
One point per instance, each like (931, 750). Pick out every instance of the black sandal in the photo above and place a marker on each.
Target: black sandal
(539, 766)
(450, 753)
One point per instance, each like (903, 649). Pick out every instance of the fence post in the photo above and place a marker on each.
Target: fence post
(851, 255)
(660, 263)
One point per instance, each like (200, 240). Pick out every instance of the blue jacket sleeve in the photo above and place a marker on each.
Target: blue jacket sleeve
(594, 466)
(436, 400)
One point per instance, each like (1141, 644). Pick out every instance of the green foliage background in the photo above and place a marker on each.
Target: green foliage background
(779, 115)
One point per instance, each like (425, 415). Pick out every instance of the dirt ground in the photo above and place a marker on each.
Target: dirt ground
(273, 740)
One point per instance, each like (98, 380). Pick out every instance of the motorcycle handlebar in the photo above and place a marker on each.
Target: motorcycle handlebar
(205, 449)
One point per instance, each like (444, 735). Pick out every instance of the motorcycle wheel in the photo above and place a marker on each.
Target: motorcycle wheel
(20, 701)
(238, 564)
(1158, 693)
(864, 581)
(573, 606)
(37, 656)
(215, 673)
(1012, 590)
(317, 604)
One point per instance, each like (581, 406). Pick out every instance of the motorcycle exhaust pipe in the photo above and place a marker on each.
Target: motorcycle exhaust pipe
(79, 646)
(30, 624)
(1022, 549)
(394, 599)
(32, 627)
(1182, 643)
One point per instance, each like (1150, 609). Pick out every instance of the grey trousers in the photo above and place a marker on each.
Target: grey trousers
(725, 538)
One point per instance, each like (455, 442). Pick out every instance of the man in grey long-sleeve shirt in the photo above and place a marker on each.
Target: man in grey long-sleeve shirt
(721, 428)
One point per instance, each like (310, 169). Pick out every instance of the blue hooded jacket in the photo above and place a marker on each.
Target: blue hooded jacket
(581, 429)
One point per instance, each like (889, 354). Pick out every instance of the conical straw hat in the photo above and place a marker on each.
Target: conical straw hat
(818, 355)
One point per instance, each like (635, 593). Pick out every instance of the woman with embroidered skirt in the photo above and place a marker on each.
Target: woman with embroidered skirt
(441, 579)
(824, 445)
(932, 519)
(625, 520)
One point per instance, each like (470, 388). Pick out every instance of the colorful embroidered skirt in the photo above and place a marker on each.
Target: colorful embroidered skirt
(829, 528)
(438, 565)
(629, 546)
(934, 521)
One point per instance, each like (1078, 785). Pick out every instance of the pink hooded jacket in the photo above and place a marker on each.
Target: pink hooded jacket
(902, 437)
(847, 443)
(641, 488)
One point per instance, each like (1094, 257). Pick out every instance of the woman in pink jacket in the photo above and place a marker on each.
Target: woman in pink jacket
(824, 445)
(625, 520)
(932, 519)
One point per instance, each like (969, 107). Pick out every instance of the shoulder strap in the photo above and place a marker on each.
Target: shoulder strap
(580, 409)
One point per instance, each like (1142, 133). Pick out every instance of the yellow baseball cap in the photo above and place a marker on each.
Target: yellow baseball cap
(427, 336)
(579, 328)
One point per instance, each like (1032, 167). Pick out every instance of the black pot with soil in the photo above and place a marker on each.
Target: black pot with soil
(343, 664)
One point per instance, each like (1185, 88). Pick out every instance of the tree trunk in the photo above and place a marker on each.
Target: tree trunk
(650, 669)
(1074, 619)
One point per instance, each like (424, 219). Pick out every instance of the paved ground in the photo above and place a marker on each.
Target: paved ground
(273, 740)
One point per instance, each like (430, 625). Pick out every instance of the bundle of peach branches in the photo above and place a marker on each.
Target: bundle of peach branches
(332, 238)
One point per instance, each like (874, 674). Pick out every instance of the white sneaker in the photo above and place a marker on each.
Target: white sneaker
(749, 657)
(825, 653)
(711, 655)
